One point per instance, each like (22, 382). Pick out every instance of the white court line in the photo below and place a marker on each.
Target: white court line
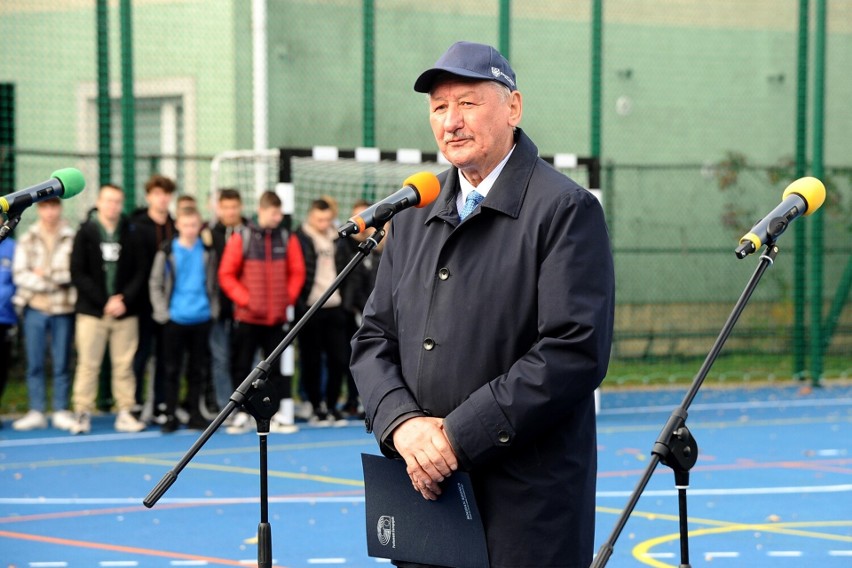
(840, 552)
(659, 554)
(784, 553)
(712, 555)
(830, 453)
(188, 563)
(69, 439)
(360, 498)
(326, 561)
(733, 405)
(117, 563)
(48, 564)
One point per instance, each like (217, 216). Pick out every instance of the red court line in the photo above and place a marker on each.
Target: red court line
(119, 548)
(95, 512)
(827, 468)
(824, 465)
(140, 508)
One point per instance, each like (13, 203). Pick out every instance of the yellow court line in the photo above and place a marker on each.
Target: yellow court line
(640, 551)
(665, 517)
(57, 463)
(246, 471)
(276, 448)
(178, 455)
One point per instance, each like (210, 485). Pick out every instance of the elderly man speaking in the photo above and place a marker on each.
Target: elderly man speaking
(491, 323)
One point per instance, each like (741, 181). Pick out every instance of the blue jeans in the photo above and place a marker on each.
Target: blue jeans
(37, 326)
(221, 365)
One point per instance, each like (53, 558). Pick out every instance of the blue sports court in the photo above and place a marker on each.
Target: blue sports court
(772, 487)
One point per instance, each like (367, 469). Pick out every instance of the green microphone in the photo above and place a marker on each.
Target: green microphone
(63, 183)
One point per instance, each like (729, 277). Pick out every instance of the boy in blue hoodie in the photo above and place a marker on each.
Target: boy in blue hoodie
(8, 317)
(185, 298)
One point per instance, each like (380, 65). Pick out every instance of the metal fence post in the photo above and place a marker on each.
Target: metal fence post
(817, 223)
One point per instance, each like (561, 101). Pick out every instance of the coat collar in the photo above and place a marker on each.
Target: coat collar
(507, 195)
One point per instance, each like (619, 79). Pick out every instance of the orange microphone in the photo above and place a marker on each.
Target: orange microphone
(418, 190)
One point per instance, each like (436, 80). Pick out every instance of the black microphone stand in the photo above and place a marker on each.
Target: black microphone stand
(259, 397)
(675, 445)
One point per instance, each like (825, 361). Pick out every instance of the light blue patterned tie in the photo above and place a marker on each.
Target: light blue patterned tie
(473, 199)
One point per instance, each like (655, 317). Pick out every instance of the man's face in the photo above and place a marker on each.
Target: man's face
(109, 203)
(473, 124)
(158, 199)
(269, 217)
(320, 220)
(230, 212)
(49, 212)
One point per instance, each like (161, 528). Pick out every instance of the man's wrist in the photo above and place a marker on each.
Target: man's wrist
(387, 435)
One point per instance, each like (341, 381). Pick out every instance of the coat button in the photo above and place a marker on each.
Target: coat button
(444, 273)
(428, 344)
(503, 437)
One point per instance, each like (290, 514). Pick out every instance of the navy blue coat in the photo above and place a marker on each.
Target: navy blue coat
(502, 325)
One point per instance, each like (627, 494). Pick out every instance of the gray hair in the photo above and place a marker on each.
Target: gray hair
(502, 90)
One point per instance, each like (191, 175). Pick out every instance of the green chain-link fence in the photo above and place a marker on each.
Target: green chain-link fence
(693, 108)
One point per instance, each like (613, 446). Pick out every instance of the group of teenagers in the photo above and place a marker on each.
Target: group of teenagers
(153, 297)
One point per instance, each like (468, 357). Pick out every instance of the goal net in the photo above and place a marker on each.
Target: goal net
(301, 175)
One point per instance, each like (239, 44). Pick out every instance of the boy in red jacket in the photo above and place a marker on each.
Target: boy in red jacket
(262, 271)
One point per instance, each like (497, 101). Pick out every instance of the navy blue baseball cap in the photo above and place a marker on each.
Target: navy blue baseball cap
(472, 61)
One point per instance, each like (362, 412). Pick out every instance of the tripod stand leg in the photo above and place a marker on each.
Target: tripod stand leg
(682, 484)
(264, 529)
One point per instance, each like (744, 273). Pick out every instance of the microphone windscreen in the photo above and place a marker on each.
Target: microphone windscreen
(427, 186)
(72, 180)
(810, 189)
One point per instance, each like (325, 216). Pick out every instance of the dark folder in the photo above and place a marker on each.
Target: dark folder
(402, 525)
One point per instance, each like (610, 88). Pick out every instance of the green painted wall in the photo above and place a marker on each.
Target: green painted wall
(49, 53)
(694, 92)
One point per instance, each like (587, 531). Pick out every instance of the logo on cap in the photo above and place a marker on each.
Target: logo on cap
(498, 74)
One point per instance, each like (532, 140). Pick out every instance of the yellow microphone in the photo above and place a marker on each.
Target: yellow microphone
(802, 197)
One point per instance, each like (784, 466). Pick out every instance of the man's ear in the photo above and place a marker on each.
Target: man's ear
(516, 108)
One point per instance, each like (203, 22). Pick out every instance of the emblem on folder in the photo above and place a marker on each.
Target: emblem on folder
(385, 530)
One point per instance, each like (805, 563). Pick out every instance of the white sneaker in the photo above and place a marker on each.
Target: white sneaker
(181, 415)
(337, 420)
(304, 410)
(82, 423)
(280, 425)
(320, 420)
(241, 424)
(126, 422)
(32, 420)
(62, 420)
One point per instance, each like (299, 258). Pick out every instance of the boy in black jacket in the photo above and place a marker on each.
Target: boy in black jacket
(155, 226)
(109, 282)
